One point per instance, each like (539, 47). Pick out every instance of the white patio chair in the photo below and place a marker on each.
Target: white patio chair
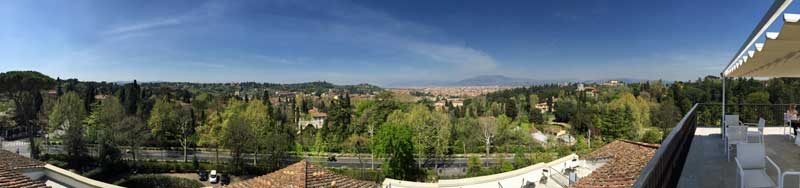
(787, 123)
(760, 132)
(783, 177)
(731, 120)
(735, 135)
(751, 159)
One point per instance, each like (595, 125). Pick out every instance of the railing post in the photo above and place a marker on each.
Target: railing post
(722, 123)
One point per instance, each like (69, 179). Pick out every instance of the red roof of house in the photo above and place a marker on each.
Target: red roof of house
(314, 112)
(10, 178)
(303, 175)
(15, 161)
(626, 160)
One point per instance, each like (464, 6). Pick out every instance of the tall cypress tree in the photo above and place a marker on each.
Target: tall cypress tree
(59, 89)
(132, 96)
(88, 98)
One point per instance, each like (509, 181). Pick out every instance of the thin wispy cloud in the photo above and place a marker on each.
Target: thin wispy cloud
(144, 26)
(204, 11)
(681, 65)
(363, 24)
(206, 65)
(464, 57)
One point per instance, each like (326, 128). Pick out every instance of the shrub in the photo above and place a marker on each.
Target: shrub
(652, 136)
(159, 181)
(505, 166)
(474, 166)
(520, 160)
(543, 157)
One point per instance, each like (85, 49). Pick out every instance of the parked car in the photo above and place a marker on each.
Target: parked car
(203, 175)
(225, 179)
(213, 177)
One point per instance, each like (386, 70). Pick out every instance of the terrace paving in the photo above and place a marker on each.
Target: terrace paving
(707, 165)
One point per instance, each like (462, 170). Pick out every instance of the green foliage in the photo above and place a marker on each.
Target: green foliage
(466, 135)
(132, 132)
(101, 124)
(159, 181)
(488, 132)
(395, 142)
(67, 116)
(339, 120)
(24, 81)
(617, 123)
(639, 109)
(542, 157)
(582, 146)
(520, 160)
(67, 111)
(211, 131)
(237, 136)
(565, 109)
(652, 136)
(319, 143)
(474, 166)
(432, 130)
(163, 120)
(131, 96)
(505, 165)
(666, 115)
(195, 162)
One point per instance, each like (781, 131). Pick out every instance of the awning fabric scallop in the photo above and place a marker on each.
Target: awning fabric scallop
(777, 56)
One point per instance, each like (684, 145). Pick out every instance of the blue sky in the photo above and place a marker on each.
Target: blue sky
(376, 42)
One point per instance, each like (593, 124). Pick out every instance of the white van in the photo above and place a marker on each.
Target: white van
(212, 177)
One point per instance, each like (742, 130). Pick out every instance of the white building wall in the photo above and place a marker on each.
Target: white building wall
(515, 178)
(65, 178)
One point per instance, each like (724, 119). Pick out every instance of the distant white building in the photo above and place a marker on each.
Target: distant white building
(543, 107)
(589, 90)
(613, 83)
(316, 119)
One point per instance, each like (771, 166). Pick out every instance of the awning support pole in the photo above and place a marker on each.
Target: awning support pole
(722, 124)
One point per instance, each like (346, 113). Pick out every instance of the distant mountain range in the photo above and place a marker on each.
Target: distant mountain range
(498, 80)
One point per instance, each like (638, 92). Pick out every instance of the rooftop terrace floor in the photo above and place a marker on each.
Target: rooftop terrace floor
(707, 165)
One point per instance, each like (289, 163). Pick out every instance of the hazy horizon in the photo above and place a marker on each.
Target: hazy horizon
(381, 43)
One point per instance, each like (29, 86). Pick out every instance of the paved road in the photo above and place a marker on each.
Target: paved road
(341, 161)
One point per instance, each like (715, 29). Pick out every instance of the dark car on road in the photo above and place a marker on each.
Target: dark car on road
(225, 179)
(203, 175)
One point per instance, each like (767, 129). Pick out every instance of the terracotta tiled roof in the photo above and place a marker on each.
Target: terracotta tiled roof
(15, 161)
(625, 160)
(314, 112)
(9, 178)
(302, 175)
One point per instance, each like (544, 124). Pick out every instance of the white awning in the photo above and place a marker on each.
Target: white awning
(777, 56)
